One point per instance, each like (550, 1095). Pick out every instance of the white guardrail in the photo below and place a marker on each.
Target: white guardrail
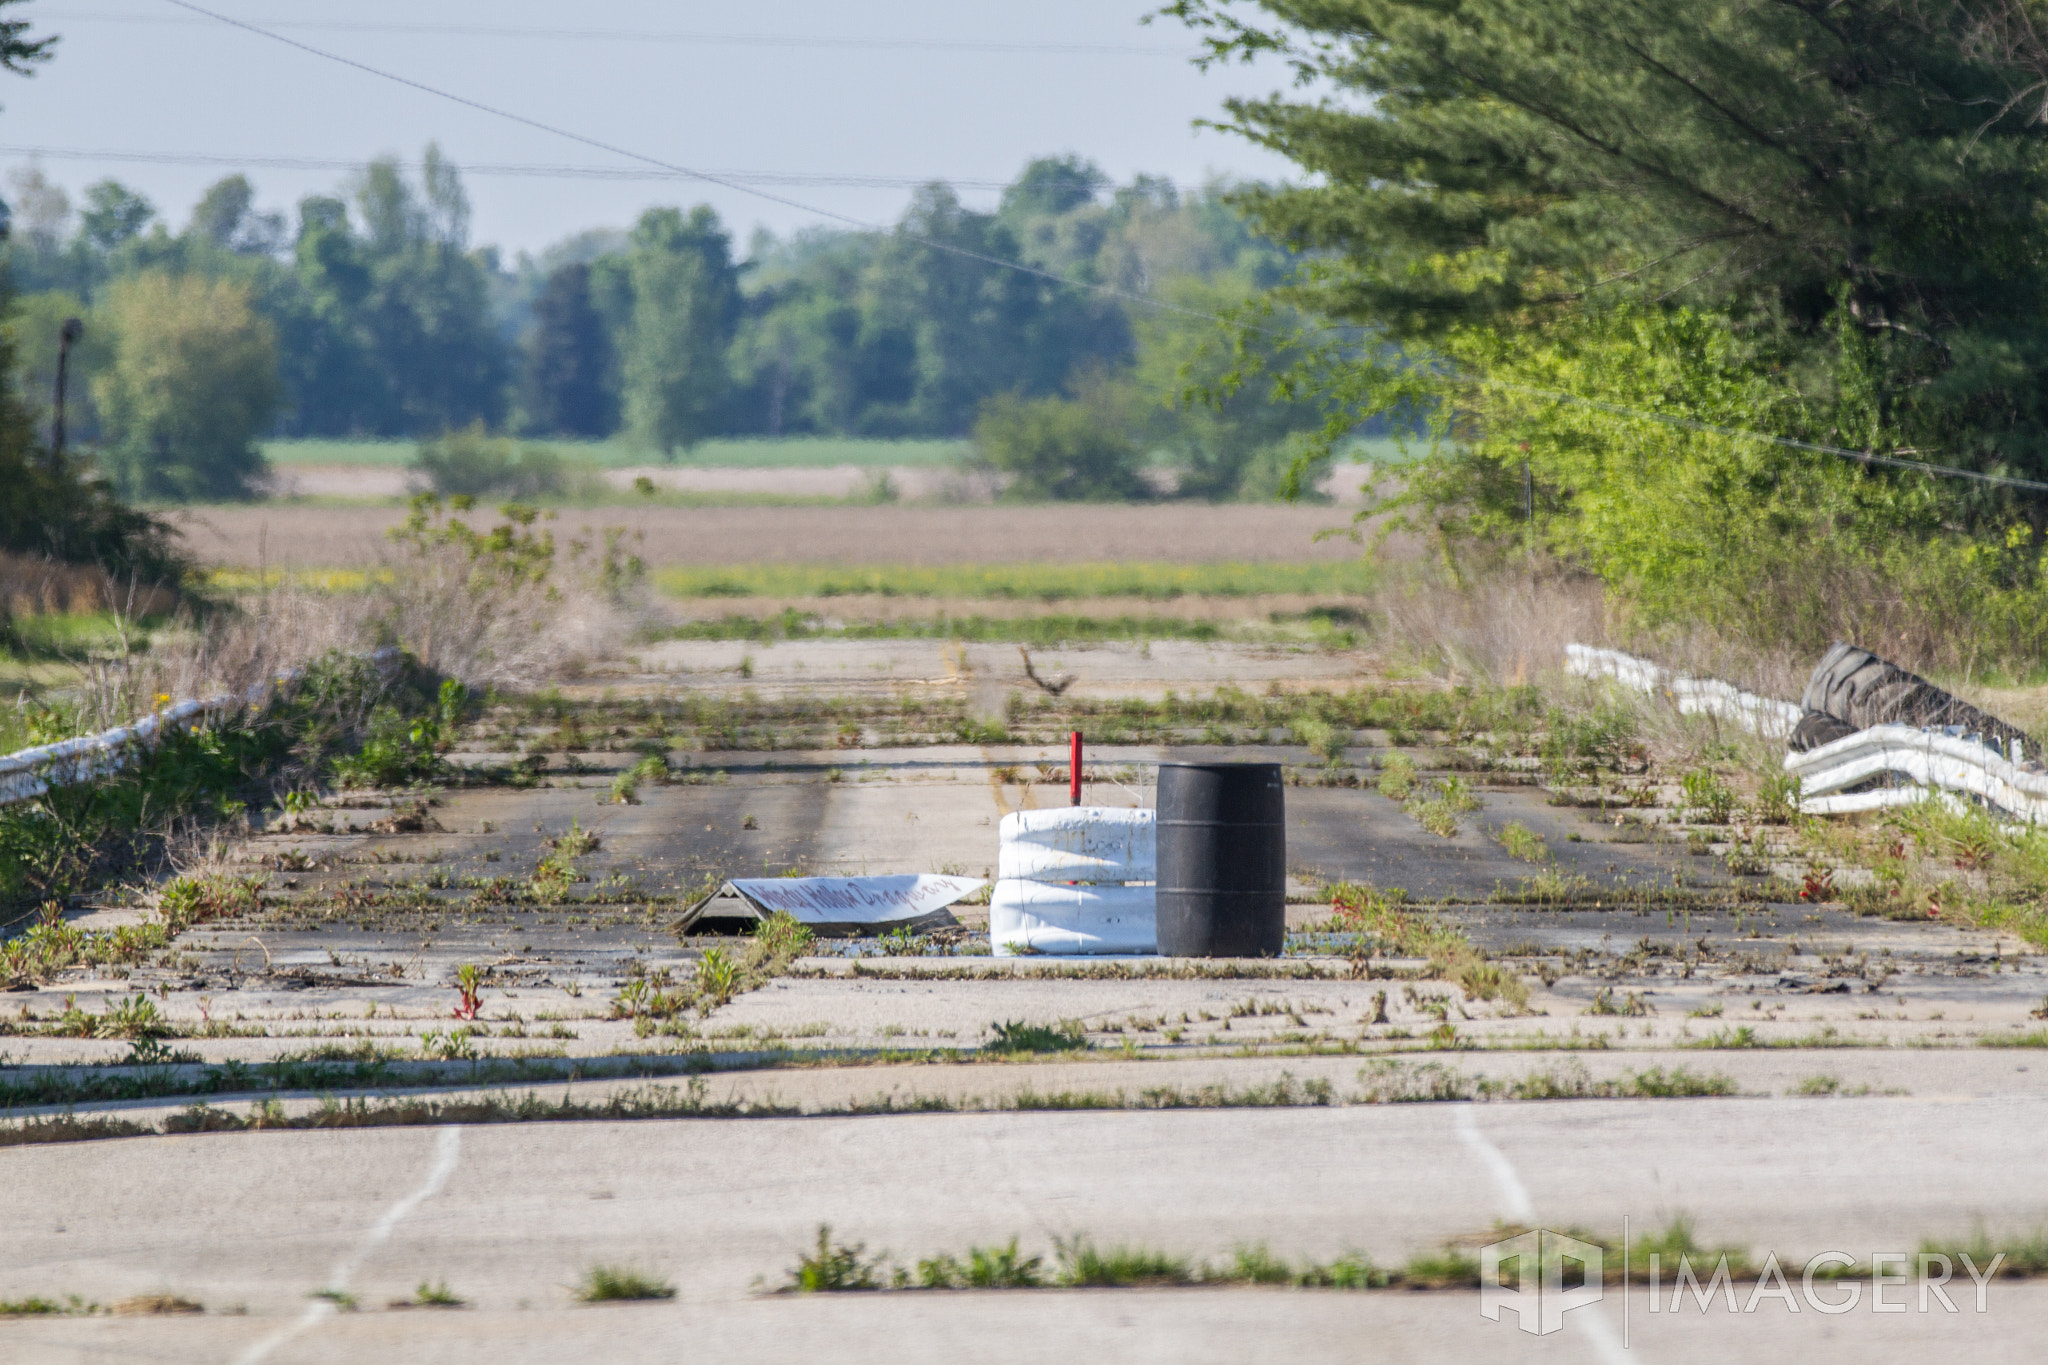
(29, 773)
(1936, 761)
(1695, 696)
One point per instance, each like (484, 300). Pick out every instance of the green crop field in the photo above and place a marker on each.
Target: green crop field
(1021, 582)
(788, 452)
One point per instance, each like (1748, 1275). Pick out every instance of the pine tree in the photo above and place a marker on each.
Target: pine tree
(1855, 185)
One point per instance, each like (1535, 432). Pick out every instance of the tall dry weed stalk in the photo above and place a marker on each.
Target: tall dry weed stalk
(487, 628)
(1500, 626)
(490, 608)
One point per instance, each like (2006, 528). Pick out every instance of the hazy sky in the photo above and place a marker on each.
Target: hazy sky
(905, 91)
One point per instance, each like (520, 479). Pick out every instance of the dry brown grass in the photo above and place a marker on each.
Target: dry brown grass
(431, 600)
(1504, 627)
(45, 587)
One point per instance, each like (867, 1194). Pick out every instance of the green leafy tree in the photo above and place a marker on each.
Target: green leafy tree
(328, 364)
(226, 218)
(113, 215)
(191, 384)
(1216, 402)
(568, 360)
(673, 356)
(425, 315)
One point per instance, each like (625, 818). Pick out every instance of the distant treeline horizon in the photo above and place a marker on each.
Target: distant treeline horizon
(374, 315)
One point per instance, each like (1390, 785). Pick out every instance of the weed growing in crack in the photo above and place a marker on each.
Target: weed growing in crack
(1002, 1267)
(434, 1295)
(718, 978)
(454, 1046)
(833, 1268)
(469, 986)
(1017, 1036)
(1397, 777)
(1084, 1265)
(783, 935)
(617, 1283)
(1523, 843)
(1706, 797)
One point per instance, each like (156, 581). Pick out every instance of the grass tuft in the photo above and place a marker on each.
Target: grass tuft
(833, 1268)
(617, 1284)
(1084, 1266)
(1017, 1036)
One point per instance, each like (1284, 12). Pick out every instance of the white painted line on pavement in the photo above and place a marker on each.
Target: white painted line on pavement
(447, 1149)
(1512, 1192)
(1514, 1196)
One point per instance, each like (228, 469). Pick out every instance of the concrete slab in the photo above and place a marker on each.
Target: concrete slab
(262, 1219)
(1158, 1327)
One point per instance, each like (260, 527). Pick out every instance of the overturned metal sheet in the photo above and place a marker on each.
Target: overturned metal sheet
(855, 905)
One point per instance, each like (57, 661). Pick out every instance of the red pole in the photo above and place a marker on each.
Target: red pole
(1074, 769)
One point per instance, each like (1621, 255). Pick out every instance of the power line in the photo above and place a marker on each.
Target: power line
(311, 163)
(1107, 291)
(783, 40)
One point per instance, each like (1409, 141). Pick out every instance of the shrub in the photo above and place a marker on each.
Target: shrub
(470, 462)
(1056, 448)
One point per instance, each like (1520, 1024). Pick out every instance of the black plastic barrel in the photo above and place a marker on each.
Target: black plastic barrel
(1222, 889)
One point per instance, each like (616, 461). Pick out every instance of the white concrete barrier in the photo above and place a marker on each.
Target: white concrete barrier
(1078, 844)
(1042, 917)
(1061, 877)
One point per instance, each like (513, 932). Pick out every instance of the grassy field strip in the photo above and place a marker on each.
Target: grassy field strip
(757, 452)
(789, 452)
(1040, 582)
(968, 582)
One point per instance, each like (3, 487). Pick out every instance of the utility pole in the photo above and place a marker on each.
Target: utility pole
(70, 332)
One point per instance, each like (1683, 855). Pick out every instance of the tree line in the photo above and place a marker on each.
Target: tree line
(374, 315)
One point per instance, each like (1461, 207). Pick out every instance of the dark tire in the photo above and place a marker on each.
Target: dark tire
(1858, 689)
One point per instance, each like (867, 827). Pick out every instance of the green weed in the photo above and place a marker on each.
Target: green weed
(784, 936)
(1706, 797)
(718, 978)
(1085, 1266)
(604, 1283)
(1397, 777)
(435, 1295)
(1523, 843)
(833, 1268)
(1017, 1036)
(1586, 742)
(1002, 1267)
